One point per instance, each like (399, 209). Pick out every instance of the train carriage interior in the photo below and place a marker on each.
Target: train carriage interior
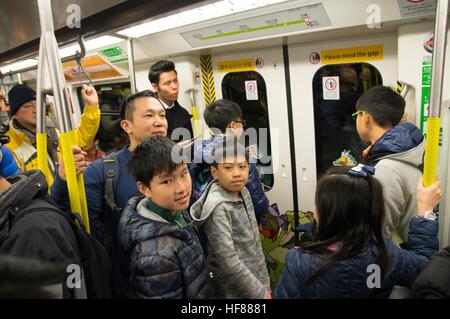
(295, 67)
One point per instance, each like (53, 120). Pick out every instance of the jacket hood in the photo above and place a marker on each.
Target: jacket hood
(399, 139)
(210, 199)
(134, 226)
(404, 143)
(25, 187)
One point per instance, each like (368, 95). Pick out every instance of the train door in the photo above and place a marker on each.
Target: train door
(256, 81)
(326, 80)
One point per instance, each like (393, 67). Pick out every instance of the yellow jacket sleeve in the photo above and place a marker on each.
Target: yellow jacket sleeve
(89, 124)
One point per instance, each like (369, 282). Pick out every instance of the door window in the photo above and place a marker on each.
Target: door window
(335, 129)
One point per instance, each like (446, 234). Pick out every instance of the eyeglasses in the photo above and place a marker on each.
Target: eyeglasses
(355, 115)
(242, 121)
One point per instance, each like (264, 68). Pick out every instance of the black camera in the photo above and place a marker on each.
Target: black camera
(4, 127)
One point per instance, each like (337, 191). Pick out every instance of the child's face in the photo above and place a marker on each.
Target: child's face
(170, 191)
(232, 174)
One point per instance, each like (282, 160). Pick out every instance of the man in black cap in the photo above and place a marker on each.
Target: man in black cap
(22, 127)
(164, 80)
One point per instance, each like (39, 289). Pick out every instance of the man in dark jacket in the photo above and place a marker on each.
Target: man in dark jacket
(434, 281)
(142, 116)
(43, 234)
(164, 80)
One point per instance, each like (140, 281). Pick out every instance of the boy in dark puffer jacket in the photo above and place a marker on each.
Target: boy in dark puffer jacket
(166, 257)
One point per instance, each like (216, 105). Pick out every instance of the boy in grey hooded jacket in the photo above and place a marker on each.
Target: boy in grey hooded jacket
(226, 215)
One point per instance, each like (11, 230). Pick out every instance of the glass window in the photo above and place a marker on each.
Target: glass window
(335, 128)
(255, 114)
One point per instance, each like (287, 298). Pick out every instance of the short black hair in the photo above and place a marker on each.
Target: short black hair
(383, 104)
(128, 106)
(153, 156)
(160, 67)
(229, 146)
(219, 114)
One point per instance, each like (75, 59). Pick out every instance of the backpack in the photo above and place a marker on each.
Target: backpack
(97, 270)
(110, 221)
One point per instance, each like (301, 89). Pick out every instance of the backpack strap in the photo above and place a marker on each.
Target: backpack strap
(111, 174)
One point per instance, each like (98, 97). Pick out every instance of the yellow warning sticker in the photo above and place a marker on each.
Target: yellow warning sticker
(236, 65)
(355, 54)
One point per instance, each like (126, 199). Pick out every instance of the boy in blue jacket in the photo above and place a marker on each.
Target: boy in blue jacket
(166, 257)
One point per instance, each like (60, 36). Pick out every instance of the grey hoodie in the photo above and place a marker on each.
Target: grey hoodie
(235, 256)
(399, 174)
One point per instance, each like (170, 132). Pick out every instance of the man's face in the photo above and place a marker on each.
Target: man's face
(167, 87)
(26, 114)
(232, 174)
(149, 119)
(362, 127)
(170, 190)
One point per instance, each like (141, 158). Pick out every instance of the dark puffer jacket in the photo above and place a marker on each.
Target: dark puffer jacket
(166, 261)
(201, 175)
(434, 281)
(348, 278)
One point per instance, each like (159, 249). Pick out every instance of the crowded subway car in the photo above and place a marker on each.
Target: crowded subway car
(224, 149)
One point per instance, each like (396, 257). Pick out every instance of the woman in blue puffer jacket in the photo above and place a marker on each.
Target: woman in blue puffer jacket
(348, 256)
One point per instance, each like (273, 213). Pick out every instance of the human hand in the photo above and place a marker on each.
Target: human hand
(427, 197)
(89, 95)
(79, 161)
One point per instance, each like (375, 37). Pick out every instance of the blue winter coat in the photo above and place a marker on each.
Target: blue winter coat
(201, 175)
(8, 165)
(166, 261)
(348, 278)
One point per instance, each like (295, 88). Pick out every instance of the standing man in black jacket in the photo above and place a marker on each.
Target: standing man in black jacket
(164, 80)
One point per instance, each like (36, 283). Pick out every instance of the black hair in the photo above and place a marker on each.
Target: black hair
(383, 104)
(229, 147)
(350, 212)
(158, 68)
(153, 156)
(219, 114)
(128, 104)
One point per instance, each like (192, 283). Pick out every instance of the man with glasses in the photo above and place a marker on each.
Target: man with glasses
(396, 150)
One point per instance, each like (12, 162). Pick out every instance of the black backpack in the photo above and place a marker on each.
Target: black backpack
(96, 265)
(110, 221)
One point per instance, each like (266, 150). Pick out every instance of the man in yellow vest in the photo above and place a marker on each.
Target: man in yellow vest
(22, 127)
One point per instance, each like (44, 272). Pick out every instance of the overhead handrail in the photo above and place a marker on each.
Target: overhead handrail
(78, 54)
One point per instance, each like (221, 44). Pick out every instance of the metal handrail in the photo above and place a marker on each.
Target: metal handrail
(78, 55)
